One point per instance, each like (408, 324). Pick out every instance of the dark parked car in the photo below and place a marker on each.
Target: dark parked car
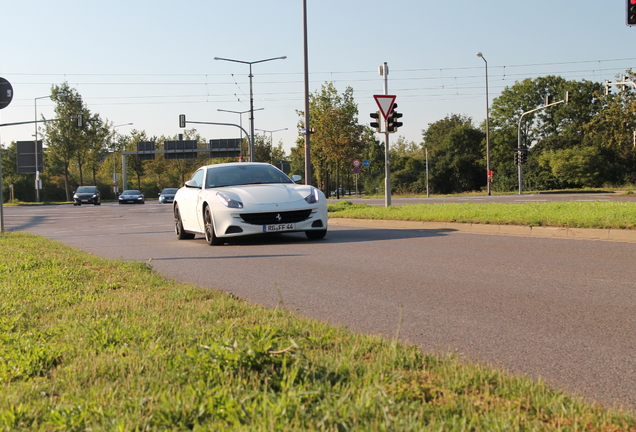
(167, 195)
(131, 197)
(87, 195)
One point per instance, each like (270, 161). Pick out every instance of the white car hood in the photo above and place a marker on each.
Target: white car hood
(268, 194)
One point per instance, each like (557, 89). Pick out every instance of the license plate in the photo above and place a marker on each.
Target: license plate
(279, 227)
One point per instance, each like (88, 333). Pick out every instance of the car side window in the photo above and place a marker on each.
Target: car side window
(197, 178)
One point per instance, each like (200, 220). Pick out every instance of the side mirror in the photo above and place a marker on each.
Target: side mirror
(296, 178)
(192, 184)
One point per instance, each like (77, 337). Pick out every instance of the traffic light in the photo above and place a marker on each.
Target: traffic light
(516, 158)
(182, 121)
(524, 156)
(391, 122)
(548, 99)
(80, 120)
(375, 124)
(631, 12)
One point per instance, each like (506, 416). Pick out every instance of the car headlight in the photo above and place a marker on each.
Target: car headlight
(313, 197)
(94, 196)
(229, 202)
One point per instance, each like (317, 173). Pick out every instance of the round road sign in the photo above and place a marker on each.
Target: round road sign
(6, 93)
(356, 162)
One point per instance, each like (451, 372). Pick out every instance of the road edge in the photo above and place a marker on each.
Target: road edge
(620, 235)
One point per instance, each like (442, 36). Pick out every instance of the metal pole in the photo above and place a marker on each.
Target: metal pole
(308, 173)
(427, 194)
(124, 174)
(37, 174)
(520, 173)
(487, 126)
(387, 168)
(252, 156)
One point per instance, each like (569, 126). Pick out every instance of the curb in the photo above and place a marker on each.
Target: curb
(620, 235)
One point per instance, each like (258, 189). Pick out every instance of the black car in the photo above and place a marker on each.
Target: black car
(167, 195)
(87, 195)
(131, 197)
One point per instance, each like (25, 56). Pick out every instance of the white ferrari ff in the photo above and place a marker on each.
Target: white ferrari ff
(245, 198)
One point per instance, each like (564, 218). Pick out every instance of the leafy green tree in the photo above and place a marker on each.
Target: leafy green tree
(556, 127)
(97, 134)
(576, 166)
(373, 175)
(456, 152)
(612, 130)
(337, 137)
(64, 138)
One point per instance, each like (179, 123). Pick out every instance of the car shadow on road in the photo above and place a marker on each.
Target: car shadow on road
(346, 235)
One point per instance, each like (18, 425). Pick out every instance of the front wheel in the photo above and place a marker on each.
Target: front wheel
(178, 226)
(316, 234)
(210, 235)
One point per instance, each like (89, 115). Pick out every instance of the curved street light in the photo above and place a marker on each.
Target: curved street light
(240, 113)
(251, 95)
(488, 176)
(271, 142)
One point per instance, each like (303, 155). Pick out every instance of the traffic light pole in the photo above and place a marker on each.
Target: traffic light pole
(384, 71)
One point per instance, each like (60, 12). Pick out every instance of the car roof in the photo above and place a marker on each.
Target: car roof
(239, 164)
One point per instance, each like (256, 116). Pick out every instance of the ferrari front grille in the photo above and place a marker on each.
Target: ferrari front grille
(275, 217)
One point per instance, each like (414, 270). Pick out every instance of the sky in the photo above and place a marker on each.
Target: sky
(146, 62)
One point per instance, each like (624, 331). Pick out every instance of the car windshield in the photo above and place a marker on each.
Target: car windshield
(233, 175)
(169, 191)
(131, 192)
(86, 189)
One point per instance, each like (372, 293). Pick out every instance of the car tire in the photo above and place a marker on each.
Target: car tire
(210, 235)
(316, 234)
(178, 226)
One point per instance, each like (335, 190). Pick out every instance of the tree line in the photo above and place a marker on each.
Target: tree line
(588, 142)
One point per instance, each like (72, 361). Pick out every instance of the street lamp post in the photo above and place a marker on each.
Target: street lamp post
(488, 173)
(251, 95)
(240, 113)
(115, 179)
(271, 142)
(37, 165)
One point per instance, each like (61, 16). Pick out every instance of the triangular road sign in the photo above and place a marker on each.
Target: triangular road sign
(385, 103)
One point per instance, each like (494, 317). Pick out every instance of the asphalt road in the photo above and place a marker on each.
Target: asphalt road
(560, 309)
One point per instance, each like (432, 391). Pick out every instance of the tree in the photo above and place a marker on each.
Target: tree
(98, 136)
(556, 127)
(575, 167)
(337, 136)
(456, 155)
(612, 131)
(64, 138)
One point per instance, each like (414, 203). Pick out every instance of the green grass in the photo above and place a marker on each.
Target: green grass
(100, 345)
(571, 214)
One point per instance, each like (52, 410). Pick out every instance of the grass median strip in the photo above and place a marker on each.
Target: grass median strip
(95, 344)
(570, 214)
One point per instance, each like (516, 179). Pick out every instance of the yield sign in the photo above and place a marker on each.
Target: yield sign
(385, 103)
